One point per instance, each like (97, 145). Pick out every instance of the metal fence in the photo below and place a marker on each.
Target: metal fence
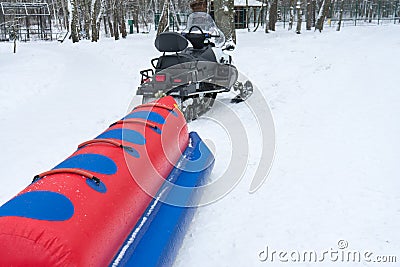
(355, 13)
(181, 17)
(29, 20)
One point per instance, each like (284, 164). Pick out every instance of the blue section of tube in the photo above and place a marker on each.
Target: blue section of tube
(157, 237)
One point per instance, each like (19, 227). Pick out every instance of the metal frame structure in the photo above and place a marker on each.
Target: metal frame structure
(33, 20)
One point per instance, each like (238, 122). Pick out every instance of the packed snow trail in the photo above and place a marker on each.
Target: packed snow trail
(333, 100)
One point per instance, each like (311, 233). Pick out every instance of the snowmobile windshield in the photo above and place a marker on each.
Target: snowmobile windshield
(205, 22)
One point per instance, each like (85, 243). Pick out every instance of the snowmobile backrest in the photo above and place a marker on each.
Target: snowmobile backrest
(170, 42)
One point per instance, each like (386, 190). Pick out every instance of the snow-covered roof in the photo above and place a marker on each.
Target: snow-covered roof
(250, 3)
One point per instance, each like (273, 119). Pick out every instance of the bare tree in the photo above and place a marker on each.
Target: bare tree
(291, 19)
(370, 12)
(309, 12)
(65, 14)
(86, 10)
(265, 14)
(340, 15)
(95, 22)
(314, 8)
(260, 14)
(247, 12)
(74, 21)
(121, 19)
(323, 12)
(109, 18)
(273, 15)
(136, 18)
(115, 19)
(299, 17)
(83, 18)
(163, 25)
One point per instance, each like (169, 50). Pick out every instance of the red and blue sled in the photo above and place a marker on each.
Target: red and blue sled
(111, 203)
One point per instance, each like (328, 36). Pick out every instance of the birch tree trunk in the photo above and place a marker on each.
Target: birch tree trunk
(314, 7)
(115, 24)
(266, 16)
(291, 19)
(95, 23)
(309, 17)
(163, 25)
(74, 21)
(87, 15)
(247, 10)
(323, 12)
(259, 17)
(273, 15)
(370, 13)
(299, 17)
(136, 18)
(110, 25)
(105, 14)
(340, 15)
(65, 15)
(121, 18)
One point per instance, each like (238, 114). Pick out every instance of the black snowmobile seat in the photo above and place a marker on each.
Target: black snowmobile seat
(203, 54)
(167, 61)
(170, 42)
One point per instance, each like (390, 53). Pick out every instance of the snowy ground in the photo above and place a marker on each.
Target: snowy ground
(334, 97)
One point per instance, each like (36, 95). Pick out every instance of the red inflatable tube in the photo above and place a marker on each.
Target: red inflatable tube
(79, 213)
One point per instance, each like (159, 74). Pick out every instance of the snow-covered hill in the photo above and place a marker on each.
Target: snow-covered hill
(334, 98)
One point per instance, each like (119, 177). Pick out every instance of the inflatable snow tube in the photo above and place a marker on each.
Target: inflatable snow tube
(101, 205)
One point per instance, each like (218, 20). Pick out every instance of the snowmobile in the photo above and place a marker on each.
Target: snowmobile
(193, 75)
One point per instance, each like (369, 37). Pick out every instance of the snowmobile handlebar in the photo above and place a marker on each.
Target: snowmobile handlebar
(194, 27)
(206, 35)
(211, 35)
